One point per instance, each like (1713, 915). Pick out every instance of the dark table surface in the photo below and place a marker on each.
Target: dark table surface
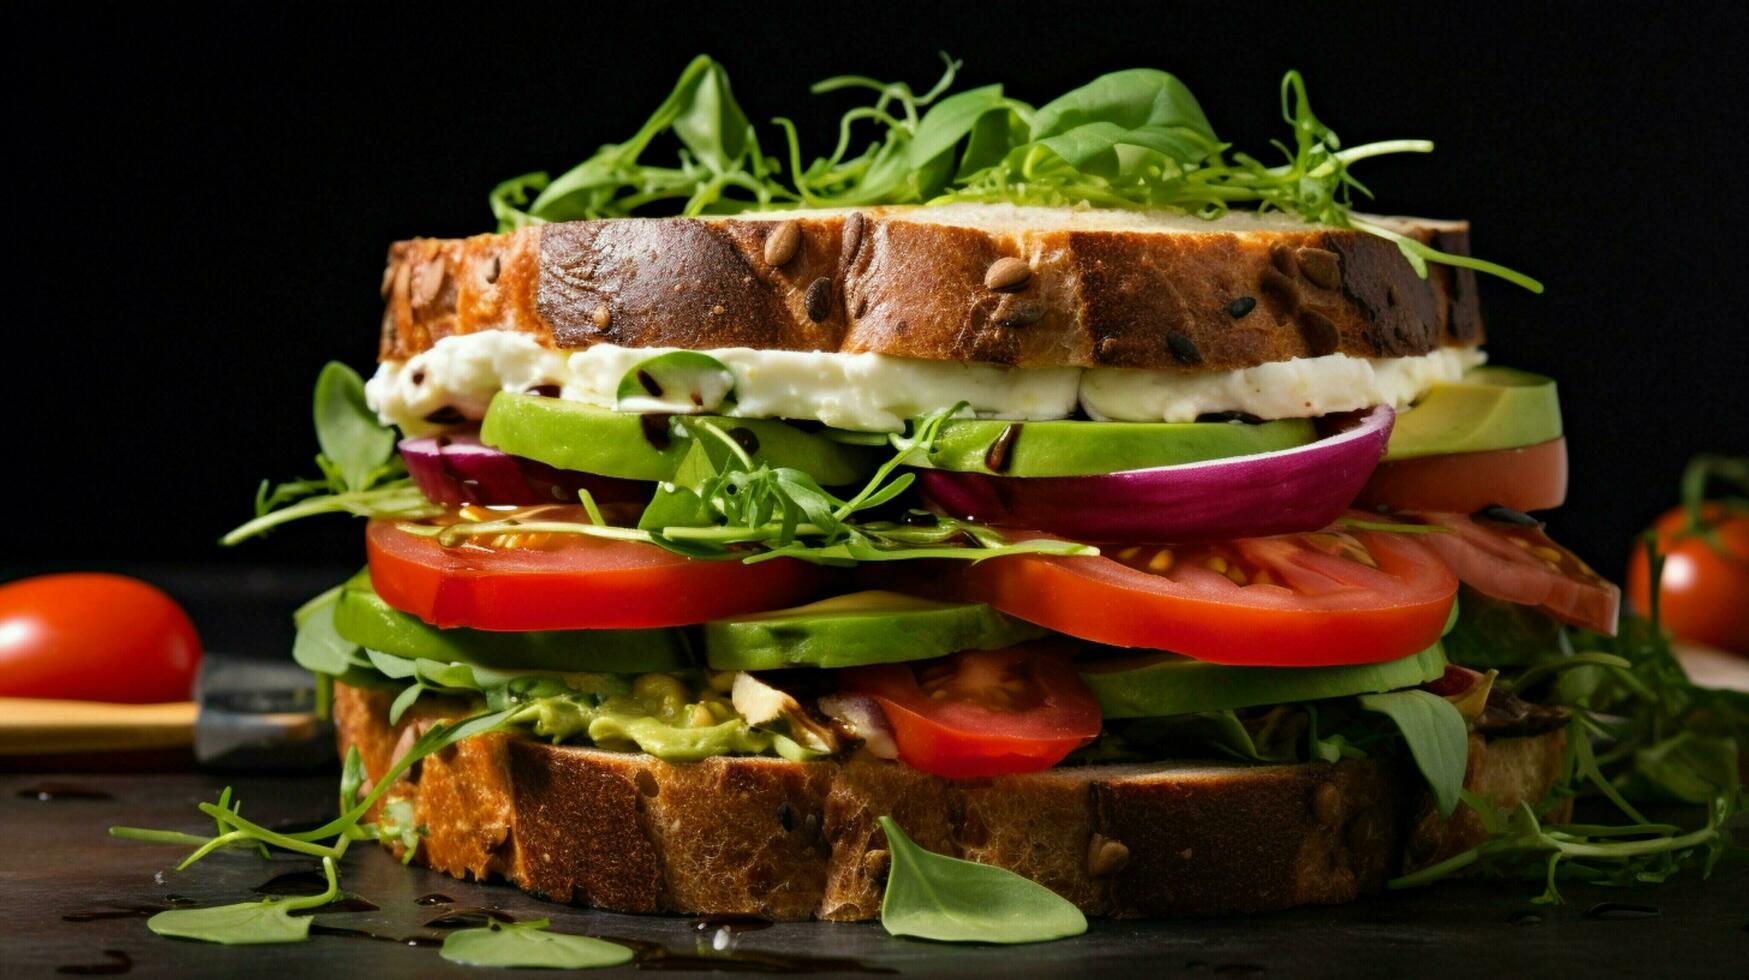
(57, 865)
(70, 892)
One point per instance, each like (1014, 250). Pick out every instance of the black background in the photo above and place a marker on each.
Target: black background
(202, 197)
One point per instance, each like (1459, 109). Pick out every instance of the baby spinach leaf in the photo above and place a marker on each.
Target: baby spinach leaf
(949, 121)
(1137, 98)
(347, 430)
(531, 944)
(318, 647)
(708, 120)
(247, 923)
(1438, 739)
(931, 896)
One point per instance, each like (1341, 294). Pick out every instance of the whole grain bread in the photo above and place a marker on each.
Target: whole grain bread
(794, 840)
(1030, 287)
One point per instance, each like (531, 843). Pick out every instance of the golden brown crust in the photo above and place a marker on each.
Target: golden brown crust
(911, 283)
(788, 840)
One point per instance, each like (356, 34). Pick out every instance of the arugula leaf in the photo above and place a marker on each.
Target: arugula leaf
(248, 923)
(1437, 736)
(1128, 139)
(347, 430)
(932, 896)
(530, 944)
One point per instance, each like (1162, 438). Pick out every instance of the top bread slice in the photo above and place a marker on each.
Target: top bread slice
(1090, 289)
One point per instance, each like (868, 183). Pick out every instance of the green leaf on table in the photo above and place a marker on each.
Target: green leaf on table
(1438, 739)
(347, 430)
(247, 923)
(531, 944)
(932, 896)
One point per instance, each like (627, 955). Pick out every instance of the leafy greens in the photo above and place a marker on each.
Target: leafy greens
(1437, 735)
(531, 944)
(361, 474)
(248, 923)
(1641, 733)
(1129, 139)
(722, 504)
(932, 896)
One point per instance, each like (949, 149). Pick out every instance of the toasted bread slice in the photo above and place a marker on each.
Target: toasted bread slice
(799, 840)
(1092, 288)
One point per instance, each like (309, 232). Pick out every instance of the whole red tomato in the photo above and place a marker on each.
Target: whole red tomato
(1704, 595)
(94, 637)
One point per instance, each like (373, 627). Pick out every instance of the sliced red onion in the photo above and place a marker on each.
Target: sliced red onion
(459, 469)
(861, 717)
(1282, 492)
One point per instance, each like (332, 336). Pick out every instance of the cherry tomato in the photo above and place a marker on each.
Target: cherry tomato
(1519, 563)
(570, 581)
(1703, 596)
(1528, 478)
(983, 712)
(94, 637)
(1330, 597)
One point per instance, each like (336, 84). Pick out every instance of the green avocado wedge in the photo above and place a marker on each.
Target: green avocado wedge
(362, 617)
(1158, 686)
(1491, 408)
(1080, 448)
(857, 629)
(573, 436)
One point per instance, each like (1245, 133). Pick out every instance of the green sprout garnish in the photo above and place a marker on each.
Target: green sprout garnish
(1134, 139)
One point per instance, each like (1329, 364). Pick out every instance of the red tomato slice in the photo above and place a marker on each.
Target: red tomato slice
(562, 582)
(1528, 478)
(1518, 563)
(1331, 597)
(93, 637)
(983, 712)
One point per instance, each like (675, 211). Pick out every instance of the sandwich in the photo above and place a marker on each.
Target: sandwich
(1052, 489)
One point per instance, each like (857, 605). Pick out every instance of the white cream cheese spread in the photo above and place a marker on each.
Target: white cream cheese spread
(878, 392)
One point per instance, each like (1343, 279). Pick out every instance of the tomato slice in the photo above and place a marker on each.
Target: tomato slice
(563, 582)
(1519, 563)
(1329, 597)
(983, 712)
(1527, 478)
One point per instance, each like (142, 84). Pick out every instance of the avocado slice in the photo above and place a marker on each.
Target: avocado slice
(1080, 448)
(1490, 408)
(1159, 685)
(365, 619)
(574, 436)
(859, 628)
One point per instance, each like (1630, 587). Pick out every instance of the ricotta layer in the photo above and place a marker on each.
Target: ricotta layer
(878, 392)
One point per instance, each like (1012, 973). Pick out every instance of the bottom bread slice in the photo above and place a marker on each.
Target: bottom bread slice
(795, 840)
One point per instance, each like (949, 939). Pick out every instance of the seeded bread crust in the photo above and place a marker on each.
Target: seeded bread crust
(1089, 289)
(790, 840)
